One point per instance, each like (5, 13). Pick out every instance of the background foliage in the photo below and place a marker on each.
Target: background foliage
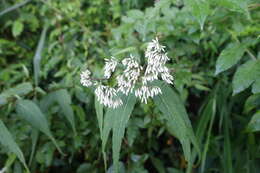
(48, 120)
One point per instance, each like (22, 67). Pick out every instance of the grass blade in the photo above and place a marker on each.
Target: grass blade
(37, 57)
(14, 7)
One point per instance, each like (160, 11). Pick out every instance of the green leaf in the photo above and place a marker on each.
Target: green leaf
(64, 100)
(229, 57)
(178, 122)
(207, 120)
(253, 102)
(240, 6)
(17, 28)
(256, 86)
(14, 7)
(122, 115)
(117, 119)
(20, 90)
(30, 112)
(254, 124)
(228, 165)
(7, 140)
(99, 112)
(246, 75)
(38, 54)
(200, 9)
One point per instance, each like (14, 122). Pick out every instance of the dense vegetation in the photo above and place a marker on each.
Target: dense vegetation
(207, 122)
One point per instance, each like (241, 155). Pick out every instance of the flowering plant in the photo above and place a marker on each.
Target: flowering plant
(134, 77)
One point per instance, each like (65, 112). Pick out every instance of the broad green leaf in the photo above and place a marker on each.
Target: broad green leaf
(64, 100)
(38, 54)
(253, 102)
(229, 57)
(135, 14)
(178, 122)
(200, 9)
(20, 90)
(17, 28)
(256, 86)
(240, 6)
(7, 140)
(254, 124)
(14, 7)
(117, 119)
(246, 75)
(30, 112)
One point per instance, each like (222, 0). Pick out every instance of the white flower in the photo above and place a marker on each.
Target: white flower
(3, 170)
(85, 78)
(108, 96)
(156, 60)
(126, 81)
(144, 92)
(110, 66)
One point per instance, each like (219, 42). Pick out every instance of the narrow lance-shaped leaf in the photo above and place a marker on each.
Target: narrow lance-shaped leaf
(122, 115)
(38, 54)
(117, 119)
(30, 112)
(99, 112)
(178, 122)
(7, 140)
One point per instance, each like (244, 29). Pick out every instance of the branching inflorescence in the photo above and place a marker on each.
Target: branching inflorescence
(134, 77)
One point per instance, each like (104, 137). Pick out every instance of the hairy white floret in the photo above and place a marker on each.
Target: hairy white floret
(126, 81)
(156, 60)
(3, 170)
(85, 78)
(110, 66)
(108, 96)
(133, 74)
(144, 92)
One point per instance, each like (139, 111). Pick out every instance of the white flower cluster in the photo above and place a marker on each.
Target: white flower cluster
(156, 60)
(131, 76)
(3, 170)
(110, 67)
(85, 78)
(108, 96)
(126, 81)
